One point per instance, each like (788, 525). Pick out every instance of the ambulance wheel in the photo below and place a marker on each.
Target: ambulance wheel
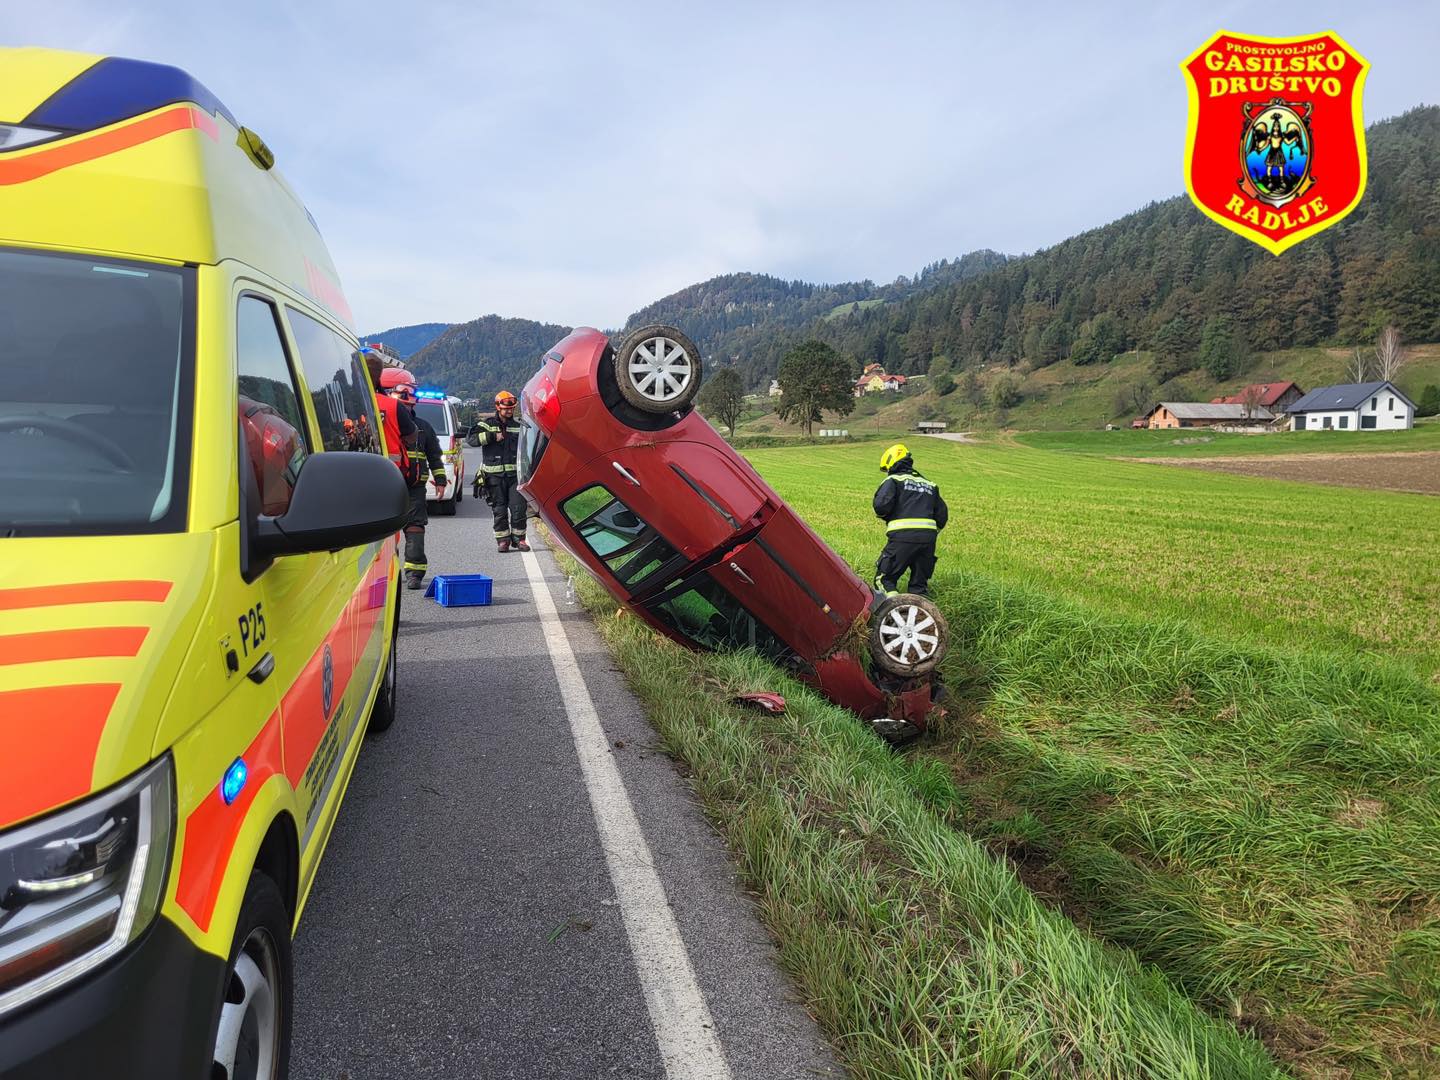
(658, 369)
(907, 635)
(382, 713)
(252, 1035)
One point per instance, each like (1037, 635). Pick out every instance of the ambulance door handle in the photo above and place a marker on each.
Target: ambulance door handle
(743, 576)
(625, 473)
(262, 670)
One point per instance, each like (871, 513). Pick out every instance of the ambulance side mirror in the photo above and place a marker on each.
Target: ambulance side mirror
(340, 500)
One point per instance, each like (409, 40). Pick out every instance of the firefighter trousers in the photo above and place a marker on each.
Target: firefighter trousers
(415, 532)
(502, 491)
(917, 556)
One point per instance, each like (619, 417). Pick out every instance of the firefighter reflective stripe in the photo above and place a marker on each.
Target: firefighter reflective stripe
(910, 523)
(503, 535)
(910, 478)
(416, 565)
(497, 469)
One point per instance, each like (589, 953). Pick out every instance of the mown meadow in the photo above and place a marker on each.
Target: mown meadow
(1183, 816)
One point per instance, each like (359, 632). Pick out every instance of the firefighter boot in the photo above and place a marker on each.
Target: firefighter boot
(503, 544)
(520, 544)
(414, 579)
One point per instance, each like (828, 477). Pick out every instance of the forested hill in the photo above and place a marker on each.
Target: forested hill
(744, 317)
(407, 340)
(478, 358)
(1166, 277)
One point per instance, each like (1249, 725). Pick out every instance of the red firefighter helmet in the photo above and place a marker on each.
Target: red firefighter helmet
(400, 381)
(276, 453)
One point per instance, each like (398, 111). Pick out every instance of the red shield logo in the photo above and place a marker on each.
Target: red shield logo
(1276, 146)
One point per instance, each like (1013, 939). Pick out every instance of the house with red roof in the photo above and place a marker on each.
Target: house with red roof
(1275, 396)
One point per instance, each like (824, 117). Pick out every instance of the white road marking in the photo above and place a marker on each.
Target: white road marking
(678, 1013)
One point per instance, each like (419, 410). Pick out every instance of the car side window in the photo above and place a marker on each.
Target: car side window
(632, 549)
(337, 385)
(271, 420)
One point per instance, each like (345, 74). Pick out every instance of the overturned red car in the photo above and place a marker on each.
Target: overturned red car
(682, 531)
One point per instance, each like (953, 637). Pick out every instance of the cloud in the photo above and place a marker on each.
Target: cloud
(572, 162)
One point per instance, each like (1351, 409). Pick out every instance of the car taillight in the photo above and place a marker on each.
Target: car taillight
(545, 404)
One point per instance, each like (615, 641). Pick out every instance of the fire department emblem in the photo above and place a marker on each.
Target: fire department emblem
(1276, 144)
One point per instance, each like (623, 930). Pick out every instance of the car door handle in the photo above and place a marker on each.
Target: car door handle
(262, 670)
(743, 576)
(625, 473)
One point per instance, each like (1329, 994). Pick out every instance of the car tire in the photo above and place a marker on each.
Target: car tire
(907, 635)
(658, 369)
(382, 713)
(252, 1031)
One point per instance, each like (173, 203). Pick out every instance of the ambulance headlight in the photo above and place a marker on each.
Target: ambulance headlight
(77, 886)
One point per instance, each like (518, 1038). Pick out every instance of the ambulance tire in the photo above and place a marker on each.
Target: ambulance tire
(382, 713)
(253, 1028)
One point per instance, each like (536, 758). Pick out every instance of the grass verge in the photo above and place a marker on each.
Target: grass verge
(920, 953)
(1263, 826)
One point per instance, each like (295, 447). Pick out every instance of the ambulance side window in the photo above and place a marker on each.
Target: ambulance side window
(271, 421)
(337, 385)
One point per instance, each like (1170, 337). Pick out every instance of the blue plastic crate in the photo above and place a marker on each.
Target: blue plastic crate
(459, 590)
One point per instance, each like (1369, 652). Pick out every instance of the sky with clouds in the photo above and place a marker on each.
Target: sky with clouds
(571, 162)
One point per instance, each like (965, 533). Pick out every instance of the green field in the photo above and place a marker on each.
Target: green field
(1355, 572)
(1192, 442)
(1194, 715)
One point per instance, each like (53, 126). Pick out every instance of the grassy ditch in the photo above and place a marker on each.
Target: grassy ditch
(1263, 826)
(921, 953)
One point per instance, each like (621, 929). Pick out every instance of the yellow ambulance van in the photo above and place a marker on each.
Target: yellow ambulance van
(198, 574)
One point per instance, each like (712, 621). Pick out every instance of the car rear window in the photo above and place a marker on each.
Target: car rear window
(632, 549)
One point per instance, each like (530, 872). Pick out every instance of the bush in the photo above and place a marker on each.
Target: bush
(1005, 391)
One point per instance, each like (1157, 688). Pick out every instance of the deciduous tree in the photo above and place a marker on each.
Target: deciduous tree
(814, 377)
(1389, 354)
(723, 397)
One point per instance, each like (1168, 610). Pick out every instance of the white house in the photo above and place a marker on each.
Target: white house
(1370, 406)
(774, 387)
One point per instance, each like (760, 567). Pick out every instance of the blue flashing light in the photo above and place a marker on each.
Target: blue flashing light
(234, 781)
(115, 89)
(430, 395)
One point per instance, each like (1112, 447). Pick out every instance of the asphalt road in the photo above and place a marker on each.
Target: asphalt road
(466, 921)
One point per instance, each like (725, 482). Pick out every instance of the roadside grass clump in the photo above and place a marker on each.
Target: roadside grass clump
(922, 955)
(1263, 826)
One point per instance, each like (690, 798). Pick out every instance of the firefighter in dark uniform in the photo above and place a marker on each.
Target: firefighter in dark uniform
(422, 459)
(499, 439)
(914, 513)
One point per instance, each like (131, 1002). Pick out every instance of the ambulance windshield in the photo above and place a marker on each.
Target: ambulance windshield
(95, 358)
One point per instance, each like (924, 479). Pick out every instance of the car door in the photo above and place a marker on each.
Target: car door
(302, 624)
